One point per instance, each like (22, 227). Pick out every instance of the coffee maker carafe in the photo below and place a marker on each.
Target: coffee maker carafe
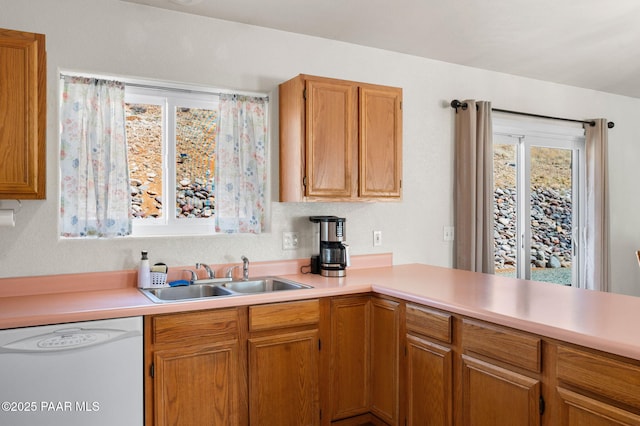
(334, 253)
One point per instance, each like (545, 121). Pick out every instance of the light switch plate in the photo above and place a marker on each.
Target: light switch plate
(377, 238)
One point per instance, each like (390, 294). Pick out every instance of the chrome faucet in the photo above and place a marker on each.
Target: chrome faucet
(210, 272)
(245, 268)
(229, 273)
(194, 276)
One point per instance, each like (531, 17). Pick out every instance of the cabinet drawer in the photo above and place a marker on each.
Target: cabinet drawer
(429, 322)
(608, 377)
(187, 327)
(286, 314)
(511, 347)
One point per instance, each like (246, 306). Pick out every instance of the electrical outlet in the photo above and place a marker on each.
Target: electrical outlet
(290, 240)
(448, 233)
(377, 238)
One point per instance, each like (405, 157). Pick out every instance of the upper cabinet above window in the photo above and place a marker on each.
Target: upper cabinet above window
(339, 140)
(22, 115)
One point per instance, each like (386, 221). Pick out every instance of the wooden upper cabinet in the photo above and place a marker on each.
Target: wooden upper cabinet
(332, 125)
(380, 158)
(339, 140)
(22, 115)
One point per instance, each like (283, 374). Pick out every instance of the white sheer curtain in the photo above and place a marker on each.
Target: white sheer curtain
(474, 187)
(94, 174)
(241, 169)
(597, 263)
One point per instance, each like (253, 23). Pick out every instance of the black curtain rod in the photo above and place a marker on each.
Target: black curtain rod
(457, 104)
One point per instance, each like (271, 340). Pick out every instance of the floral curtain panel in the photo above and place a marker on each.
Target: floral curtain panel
(94, 196)
(241, 170)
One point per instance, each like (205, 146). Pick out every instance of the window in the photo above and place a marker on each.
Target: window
(145, 160)
(539, 188)
(171, 139)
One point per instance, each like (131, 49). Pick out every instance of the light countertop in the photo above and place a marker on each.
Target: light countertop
(602, 321)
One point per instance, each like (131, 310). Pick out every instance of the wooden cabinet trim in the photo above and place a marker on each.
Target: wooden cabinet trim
(429, 322)
(608, 377)
(509, 346)
(283, 315)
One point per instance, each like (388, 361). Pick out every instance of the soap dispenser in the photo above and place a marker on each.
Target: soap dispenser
(144, 271)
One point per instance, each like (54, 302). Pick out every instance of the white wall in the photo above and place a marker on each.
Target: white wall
(109, 36)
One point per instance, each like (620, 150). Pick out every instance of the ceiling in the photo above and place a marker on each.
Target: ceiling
(592, 44)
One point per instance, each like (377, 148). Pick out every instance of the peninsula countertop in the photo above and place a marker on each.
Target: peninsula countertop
(602, 321)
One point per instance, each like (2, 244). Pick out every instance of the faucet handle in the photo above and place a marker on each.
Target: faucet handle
(229, 273)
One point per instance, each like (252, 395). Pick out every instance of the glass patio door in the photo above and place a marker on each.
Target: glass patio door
(538, 187)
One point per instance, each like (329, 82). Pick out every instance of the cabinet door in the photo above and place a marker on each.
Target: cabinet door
(23, 115)
(385, 343)
(331, 139)
(496, 396)
(198, 385)
(380, 141)
(283, 379)
(429, 383)
(350, 366)
(579, 410)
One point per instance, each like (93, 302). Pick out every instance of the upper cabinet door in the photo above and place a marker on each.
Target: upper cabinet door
(23, 115)
(380, 142)
(331, 148)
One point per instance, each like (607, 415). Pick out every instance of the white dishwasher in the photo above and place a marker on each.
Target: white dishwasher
(75, 374)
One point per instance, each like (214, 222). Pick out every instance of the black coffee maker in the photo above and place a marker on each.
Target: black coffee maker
(334, 253)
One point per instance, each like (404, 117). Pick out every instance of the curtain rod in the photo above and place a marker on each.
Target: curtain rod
(169, 86)
(457, 104)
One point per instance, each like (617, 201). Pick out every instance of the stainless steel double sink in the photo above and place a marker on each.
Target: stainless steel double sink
(199, 291)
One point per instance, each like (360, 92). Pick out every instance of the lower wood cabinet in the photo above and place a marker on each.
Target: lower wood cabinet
(501, 375)
(429, 384)
(283, 379)
(494, 395)
(349, 380)
(385, 363)
(342, 361)
(594, 389)
(428, 366)
(184, 376)
(579, 410)
(284, 364)
(364, 360)
(195, 371)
